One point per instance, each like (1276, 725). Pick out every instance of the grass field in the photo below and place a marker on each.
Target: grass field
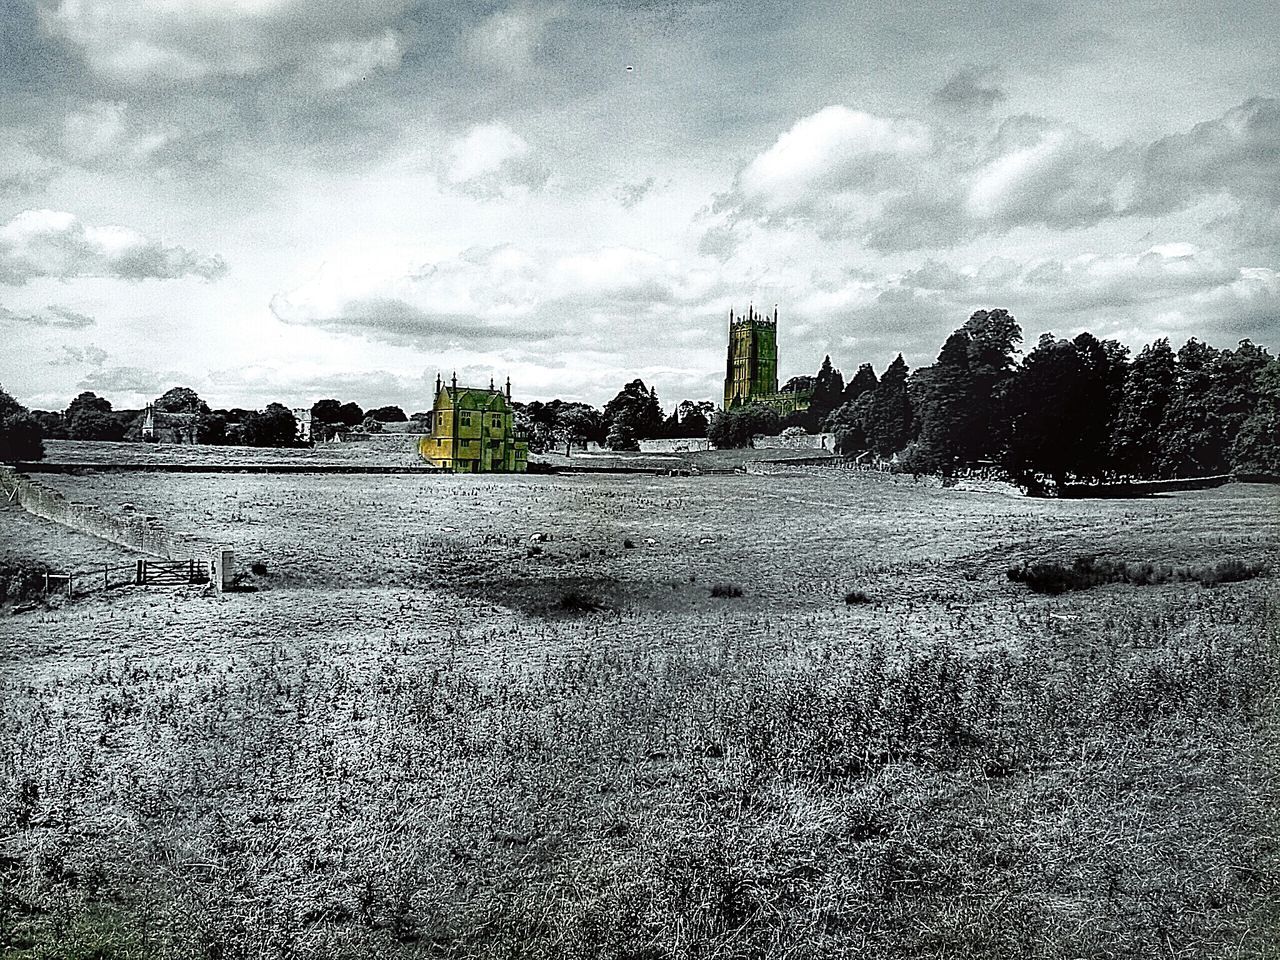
(430, 734)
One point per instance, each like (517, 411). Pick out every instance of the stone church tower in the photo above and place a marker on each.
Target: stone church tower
(751, 373)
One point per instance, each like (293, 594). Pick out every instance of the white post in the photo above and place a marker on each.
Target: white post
(224, 569)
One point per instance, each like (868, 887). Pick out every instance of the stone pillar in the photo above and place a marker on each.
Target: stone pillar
(224, 569)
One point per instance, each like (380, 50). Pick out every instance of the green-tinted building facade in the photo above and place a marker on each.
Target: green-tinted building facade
(473, 430)
(751, 372)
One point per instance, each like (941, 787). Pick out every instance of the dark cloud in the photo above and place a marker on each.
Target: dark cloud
(89, 354)
(24, 183)
(50, 316)
(965, 90)
(396, 321)
(1237, 153)
(629, 194)
(126, 380)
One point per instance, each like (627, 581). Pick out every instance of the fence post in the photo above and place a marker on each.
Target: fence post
(140, 572)
(105, 584)
(224, 564)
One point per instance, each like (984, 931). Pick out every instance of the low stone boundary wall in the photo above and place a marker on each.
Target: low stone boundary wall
(808, 441)
(678, 445)
(141, 533)
(1141, 488)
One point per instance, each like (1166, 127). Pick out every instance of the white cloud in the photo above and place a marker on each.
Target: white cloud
(834, 150)
(1048, 174)
(341, 63)
(507, 41)
(52, 243)
(483, 150)
(492, 160)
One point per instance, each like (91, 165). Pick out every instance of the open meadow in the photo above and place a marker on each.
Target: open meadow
(798, 715)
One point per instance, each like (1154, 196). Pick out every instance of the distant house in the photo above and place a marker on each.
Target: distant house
(303, 416)
(160, 426)
(473, 430)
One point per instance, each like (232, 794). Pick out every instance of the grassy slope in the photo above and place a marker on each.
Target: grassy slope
(957, 769)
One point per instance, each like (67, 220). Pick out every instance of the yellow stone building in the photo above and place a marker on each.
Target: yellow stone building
(751, 373)
(473, 430)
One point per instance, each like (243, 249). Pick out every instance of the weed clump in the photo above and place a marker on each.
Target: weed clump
(726, 590)
(628, 544)
(258, 568)
(855, 597)
(1084, 572)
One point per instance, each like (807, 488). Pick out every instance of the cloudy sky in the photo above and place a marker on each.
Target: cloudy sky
(294, 199)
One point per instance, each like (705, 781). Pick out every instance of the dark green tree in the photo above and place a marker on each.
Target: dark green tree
(849, 424)
(1096, 401)
(181, 400)
(1193, 438)
(92, 424)
(1256, 448)
(87, 401)
(387, 414)
(275, 426)
(20, 435)
(889, 419)
(575, 424)
(862, 381)
(1135, 448)
(828, 388)
(350, 414)
(943, 404)
(736, 428)
(633, 415)
(994, 336)
(1063, 402)
(52, 424)
(689, 419)
(326, 411)
(1042, 406)
(211, 427)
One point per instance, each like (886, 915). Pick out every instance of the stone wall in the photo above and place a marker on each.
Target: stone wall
(680, 445)
(141, 533)
(808, 441)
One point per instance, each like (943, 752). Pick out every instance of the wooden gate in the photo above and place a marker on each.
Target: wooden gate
(170, 573)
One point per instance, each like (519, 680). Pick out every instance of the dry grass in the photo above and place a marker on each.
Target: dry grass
(954, 770)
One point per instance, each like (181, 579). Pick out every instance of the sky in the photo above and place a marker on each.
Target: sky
(287, 200)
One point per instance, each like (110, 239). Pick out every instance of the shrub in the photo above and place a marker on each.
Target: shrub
(723, 590)
(258, 568)
(629, 544)
(1231, 570)
(21, 436)
(21, 583)
(856, 597)
(1085, 572)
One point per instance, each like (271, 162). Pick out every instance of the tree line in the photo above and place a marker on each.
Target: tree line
(1081, 408)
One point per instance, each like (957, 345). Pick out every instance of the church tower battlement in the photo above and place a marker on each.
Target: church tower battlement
(751, 371)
